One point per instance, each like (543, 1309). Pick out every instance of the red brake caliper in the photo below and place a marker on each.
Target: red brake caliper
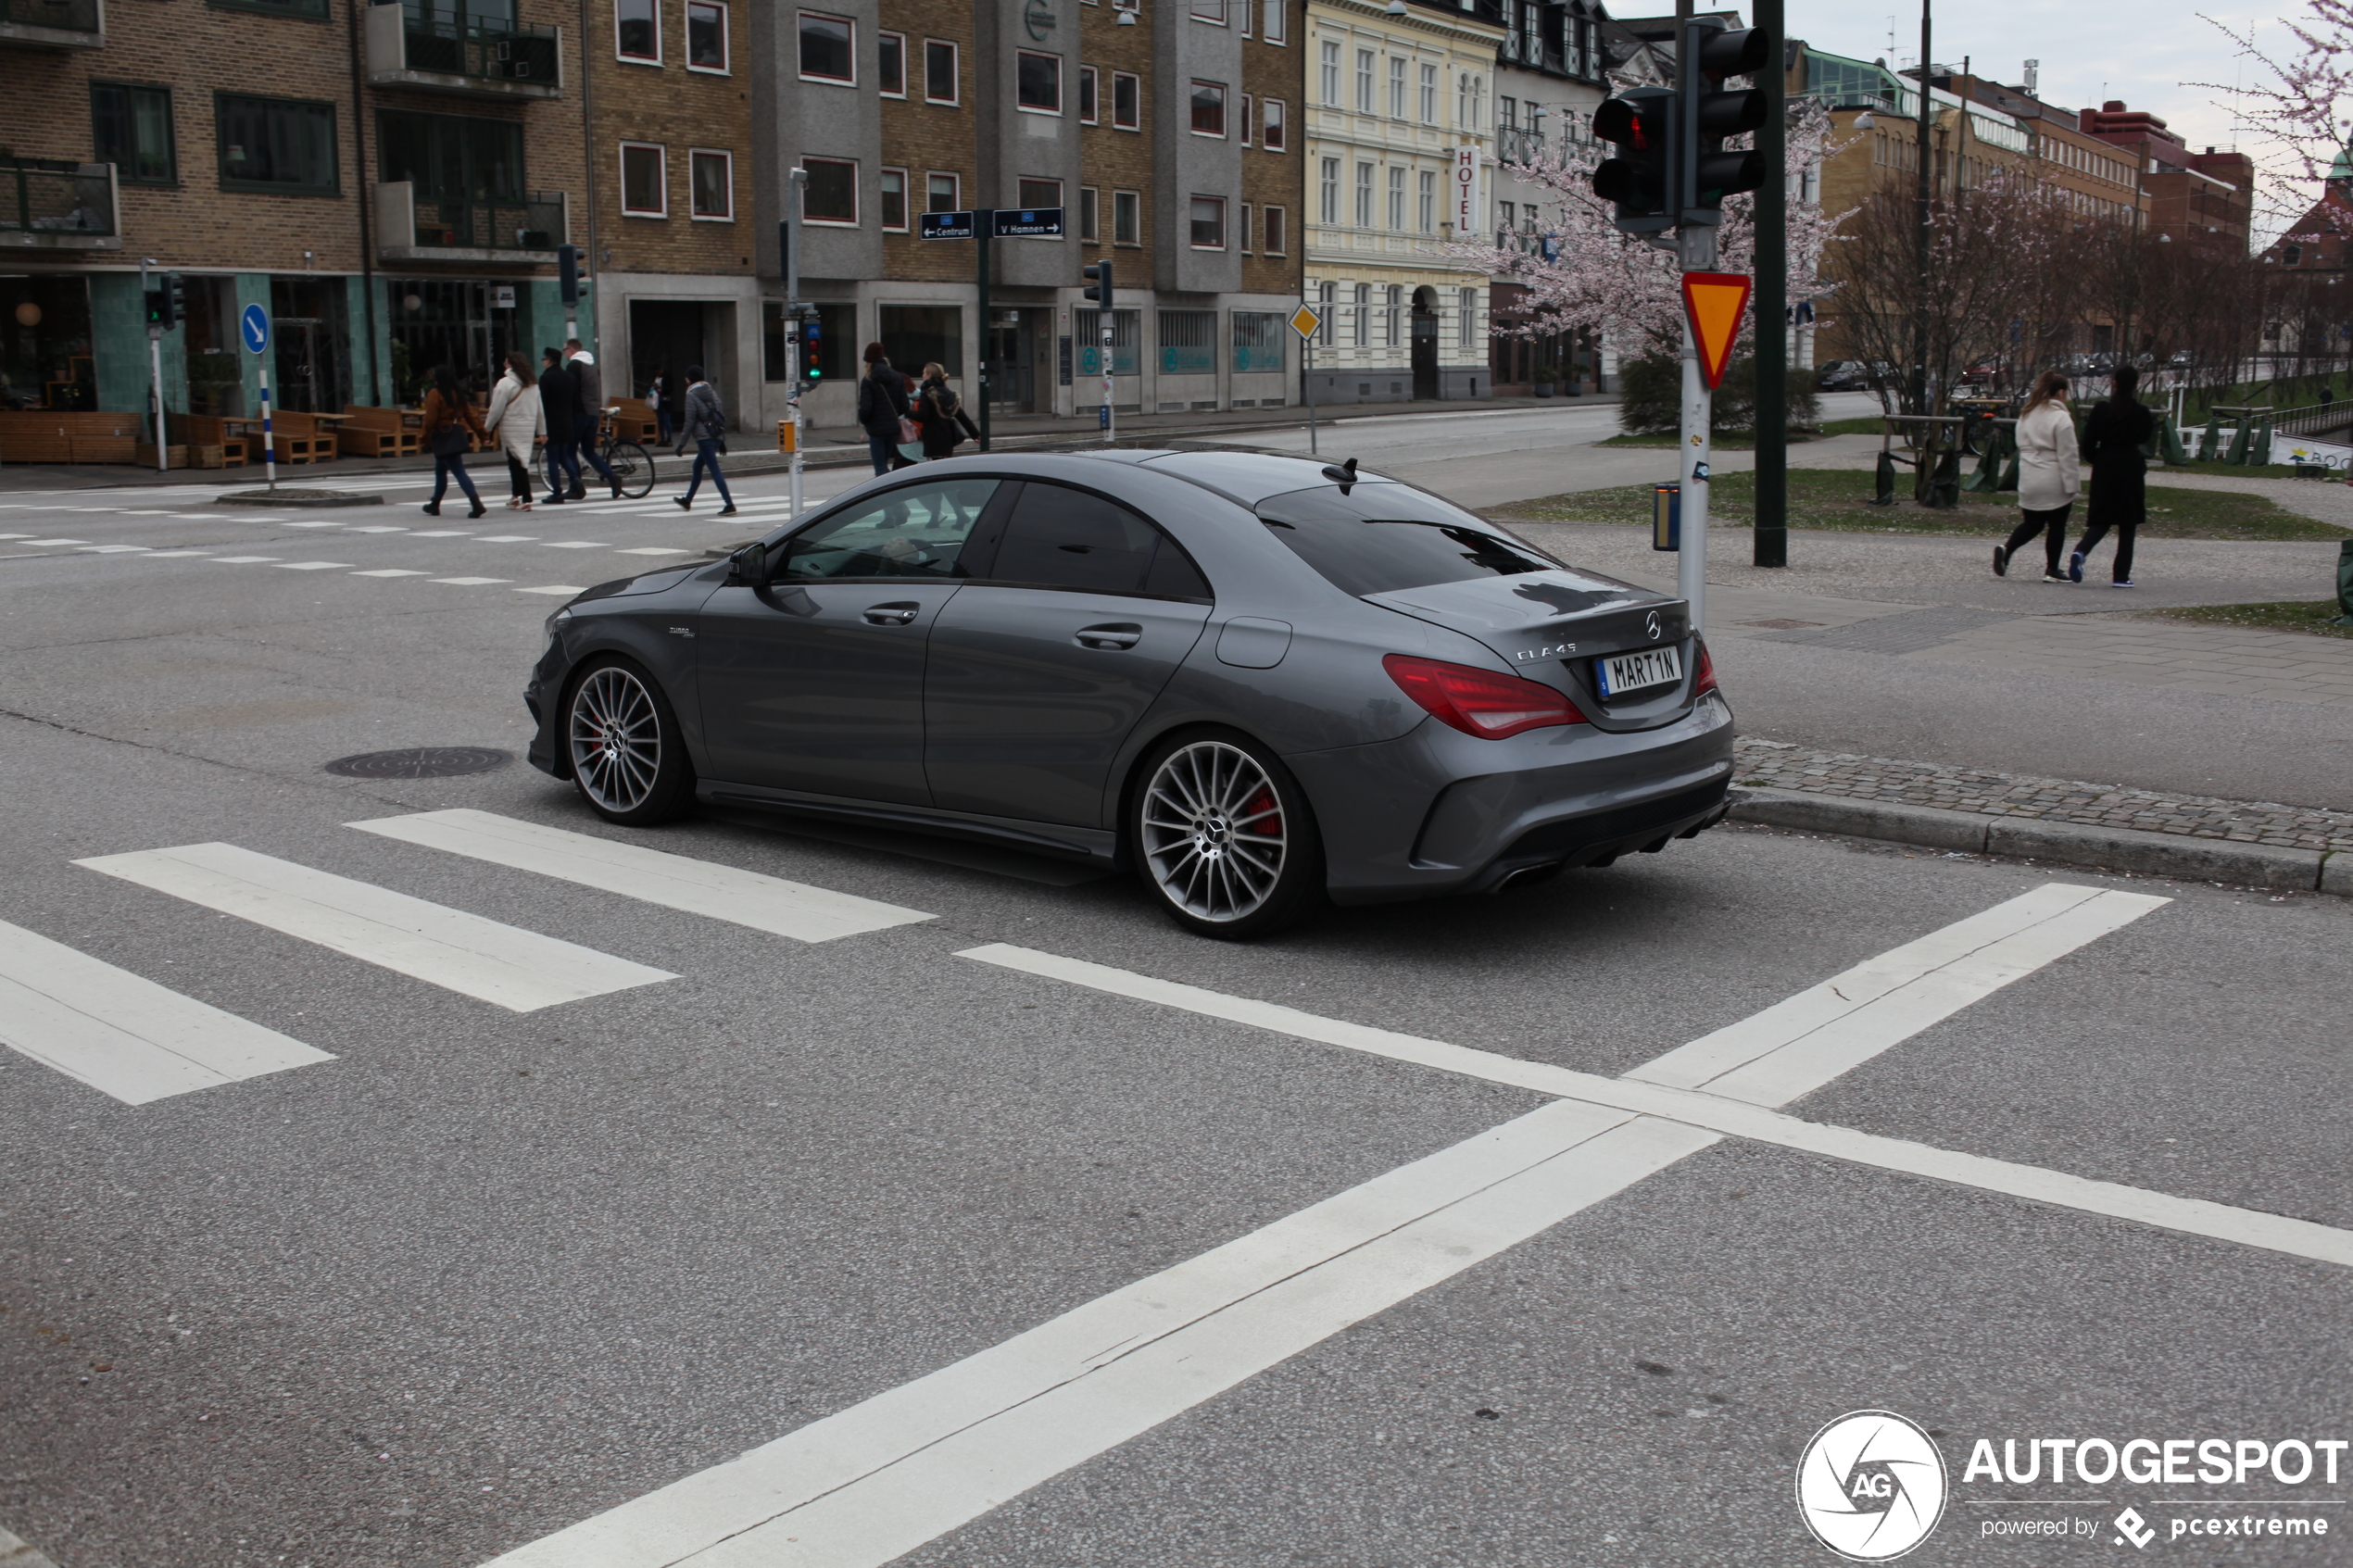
(1270, 826)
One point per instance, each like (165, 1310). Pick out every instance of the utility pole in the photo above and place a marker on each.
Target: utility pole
(155, 366)
(1772, 213)
(984, 230)
(796, 183)
(1923, 202)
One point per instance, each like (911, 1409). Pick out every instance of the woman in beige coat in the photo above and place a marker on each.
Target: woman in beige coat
(2049, 474)
(516, 420)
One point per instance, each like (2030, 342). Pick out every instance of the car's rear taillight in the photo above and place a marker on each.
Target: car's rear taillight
(1706, 681)
(1480, 702)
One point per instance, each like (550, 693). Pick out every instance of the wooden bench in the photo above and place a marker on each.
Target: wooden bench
(209, 443)
(41, 436)
(378, 433)
(294, 437)
(635, 421)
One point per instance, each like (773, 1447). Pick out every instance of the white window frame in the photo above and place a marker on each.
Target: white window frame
(726, 38)
(1468, 330)
(955, 70)
(1090, 216)
(1241, 231)
(1021, 180)
(906, 201)
(1249, 108)
(661, 177)
(1194, 85)
(1274, 223)
(624, 56)
(1090, 96)
(1366, 103)
(1392, 308)
(1328, 192)
(1116, 78)
(1429, 94)
(729, 159)
(1133, 202)
(1021, 54)
(1363, 208)
(851, 23)
(1194, 9)
(1396, 86)
(1246, 9)
(1397, 197)
(857, 197)
(1275, 25)
(955, 188)
(1426, 201)
(1190, 204)
(1327, 295)
(1275, 115)
(1361, 309)
(1329, 67)
(880, 91)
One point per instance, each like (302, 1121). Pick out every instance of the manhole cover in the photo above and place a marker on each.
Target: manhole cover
(421, 762)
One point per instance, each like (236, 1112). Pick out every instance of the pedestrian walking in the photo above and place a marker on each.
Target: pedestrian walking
(450, 426)
(704, 422)
(588, 418)
(559, 400)
(2050, 473)
(514, 420)
(658, 398)
(2114, 433)
(941, 414)
(884, 411)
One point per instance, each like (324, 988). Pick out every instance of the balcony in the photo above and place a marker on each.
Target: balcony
(48, 205)
(517, 234)
(1513, 145)
(54, 24)
(476, 62)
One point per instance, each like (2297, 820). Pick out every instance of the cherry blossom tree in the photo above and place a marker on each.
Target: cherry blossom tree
(2306, 108)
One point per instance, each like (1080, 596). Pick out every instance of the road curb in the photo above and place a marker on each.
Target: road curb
(15, 1554)
(2127, 849)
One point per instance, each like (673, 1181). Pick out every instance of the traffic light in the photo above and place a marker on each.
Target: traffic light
(813, 338)
(568, 273)
(1639, 123)
(1097, 275)
(167, 302)
(1710, 51)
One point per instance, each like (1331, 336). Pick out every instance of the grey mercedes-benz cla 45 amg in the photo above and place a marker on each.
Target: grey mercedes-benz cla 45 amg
(1259, 681)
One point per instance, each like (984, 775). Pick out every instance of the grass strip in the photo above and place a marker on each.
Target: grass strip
(2311, 616)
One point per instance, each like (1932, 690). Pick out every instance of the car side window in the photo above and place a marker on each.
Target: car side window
(1057, 537)
(915, 531)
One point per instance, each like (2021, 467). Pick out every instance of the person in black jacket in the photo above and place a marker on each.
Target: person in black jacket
(882, 401)
(558, 406)
(2114, 433)
(940, 415)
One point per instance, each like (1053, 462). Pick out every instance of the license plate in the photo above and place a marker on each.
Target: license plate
(1631, 672)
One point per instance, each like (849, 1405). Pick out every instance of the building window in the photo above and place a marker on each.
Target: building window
(1209, 109)
(942, 192)
(712, 176)
(450, 157)
(1037, 83)
(827, 48)
(1429, 94)
(1038, 194)
(1241, 15)
(1213, 11)
(1275, 31)
(1325, 295)
(315, 9)
(706, 36)
(1331, 75)
(1272, 239)
(894, 200)
(1209, 222)
(1086, 105)
(1127, 218)
(1258, 341)
(1426, 201)
(644, 183)
(1271, 134)
(1361, 314)
(915, 335)
(890, 64)
(1397, 198)
(1363, 195)
(1329, 210)
(1087, 327)
(831, 196)
(1089, 219)
(1127, 102)
(1390, 314)
(1187, 343)
(1397, 87)
(638, 30)
(1364, 81)
(939, 72)
(130, 127)
(1467, 331)
(1246, 120)
(278, 145)
(1242, 230)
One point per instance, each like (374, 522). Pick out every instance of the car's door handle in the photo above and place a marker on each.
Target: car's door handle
(899, 614)
(1116, 635)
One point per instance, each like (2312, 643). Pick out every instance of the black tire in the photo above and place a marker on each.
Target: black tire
(1223, 837)
(633, 466)
(621, 740)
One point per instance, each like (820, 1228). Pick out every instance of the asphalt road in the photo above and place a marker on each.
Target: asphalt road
(488, 1273)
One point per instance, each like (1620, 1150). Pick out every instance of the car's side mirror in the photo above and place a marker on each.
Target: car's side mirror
(749, 566)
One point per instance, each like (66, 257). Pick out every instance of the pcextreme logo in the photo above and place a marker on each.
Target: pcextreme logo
(1871, 1485)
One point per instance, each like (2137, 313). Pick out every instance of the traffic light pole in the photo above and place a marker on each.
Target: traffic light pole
(1696, 246)
(1771, 542)
(984, 228)
(796, 181)
(155, 372)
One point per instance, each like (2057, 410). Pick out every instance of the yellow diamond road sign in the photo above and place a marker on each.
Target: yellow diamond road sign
(1305, 320)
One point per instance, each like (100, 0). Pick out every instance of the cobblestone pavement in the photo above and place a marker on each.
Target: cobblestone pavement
(1777, 765)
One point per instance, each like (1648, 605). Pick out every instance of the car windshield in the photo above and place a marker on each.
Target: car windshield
(1369, 539)
(915, 531)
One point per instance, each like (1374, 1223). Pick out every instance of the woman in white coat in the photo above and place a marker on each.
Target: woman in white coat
(516, 420)
(2050, 473)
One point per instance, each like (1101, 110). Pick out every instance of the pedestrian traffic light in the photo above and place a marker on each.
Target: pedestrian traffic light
(175, 300)
(1097, 275)
(1639, 123)
(568, 273)
(813, 338)
(1710, 52)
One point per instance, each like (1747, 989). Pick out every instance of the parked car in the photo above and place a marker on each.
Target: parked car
(1258, 681)
(1843, 375)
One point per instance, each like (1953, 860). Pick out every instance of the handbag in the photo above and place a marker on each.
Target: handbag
(450, 439)
(909, 431)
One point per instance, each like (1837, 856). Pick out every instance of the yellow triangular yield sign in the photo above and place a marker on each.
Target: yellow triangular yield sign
(1714, 302)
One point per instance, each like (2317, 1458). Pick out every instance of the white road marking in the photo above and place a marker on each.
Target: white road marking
(440, 533)
(393, 571)
(1785, 1050)
(472, 582)
(242, 560)
(56, 541)
(574, 544)
(516, 969)
(14, 536)
(506, 538)
(881, 1478)
(374, 528)
(312, 565)
(111, 551)
(631, 871)
(177, 555)
(329, 523)
(656, 550)
(553, 588)
(121, 1033)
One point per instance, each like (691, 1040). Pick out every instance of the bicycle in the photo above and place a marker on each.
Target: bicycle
(631, 465)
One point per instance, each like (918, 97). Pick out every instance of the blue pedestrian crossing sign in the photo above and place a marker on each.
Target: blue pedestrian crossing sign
(255, 326)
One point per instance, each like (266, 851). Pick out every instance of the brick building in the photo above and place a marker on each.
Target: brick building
(2208, 197)
(1166, 133)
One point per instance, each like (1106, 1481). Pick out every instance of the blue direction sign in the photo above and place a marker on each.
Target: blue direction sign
(255, 326)
(1029, 223)
(944, 226)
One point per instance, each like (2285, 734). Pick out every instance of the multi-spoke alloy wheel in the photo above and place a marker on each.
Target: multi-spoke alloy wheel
(624, 745)
(1224, 839)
